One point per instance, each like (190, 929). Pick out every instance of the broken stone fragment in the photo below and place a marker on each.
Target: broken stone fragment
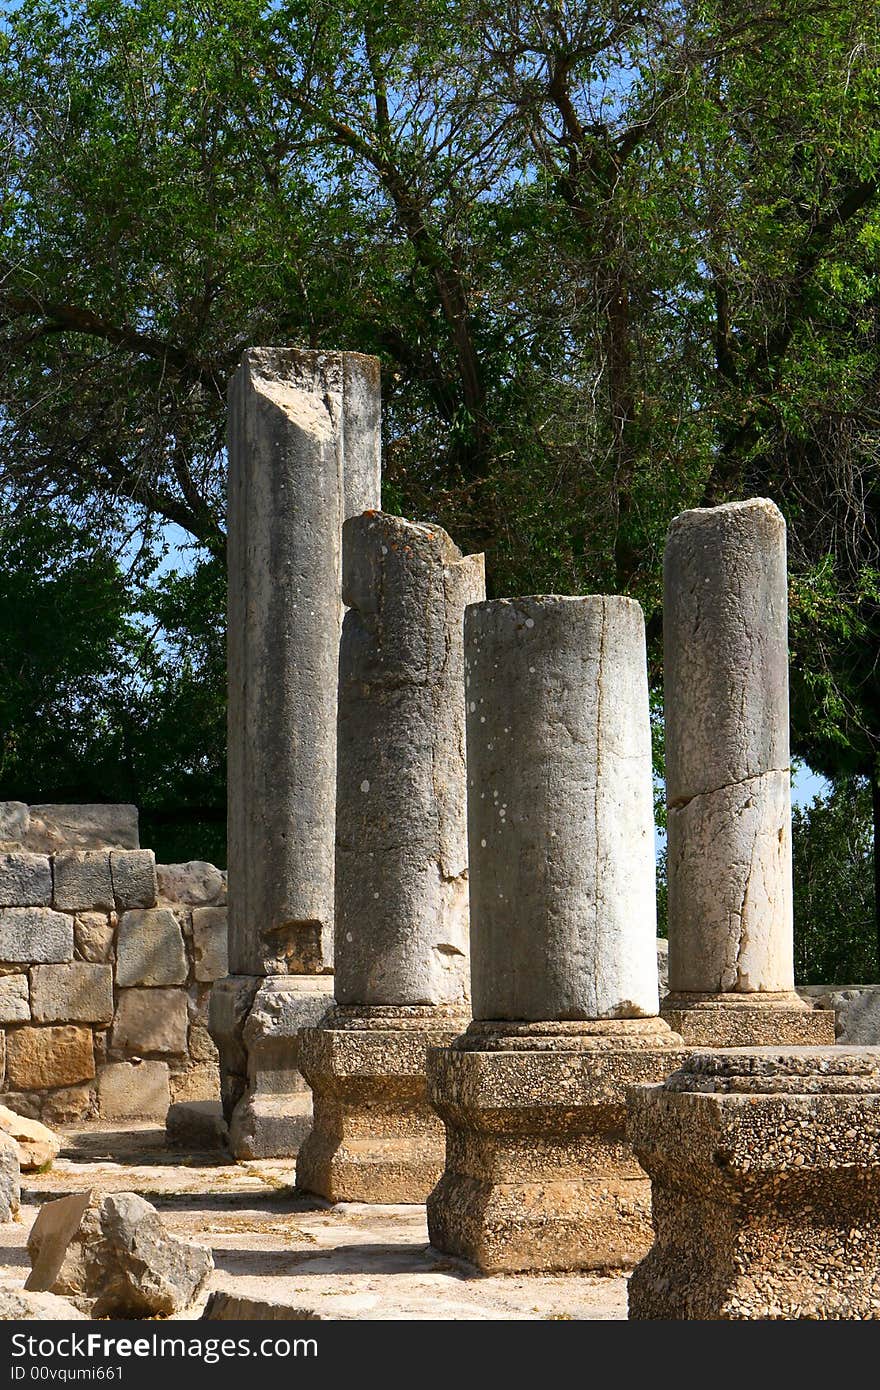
(113, 1256)
(223, 1306)
(17, 1305)
(10, 1179)
(37, 1145)
(196, 883)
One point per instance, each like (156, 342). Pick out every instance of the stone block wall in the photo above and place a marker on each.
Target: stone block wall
(106, 966)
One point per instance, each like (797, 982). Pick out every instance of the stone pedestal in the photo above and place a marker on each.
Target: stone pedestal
(765, 1174)
(256, 1024)
(401, 864)
(539, 1174)
(375, 1138)
(728, 780)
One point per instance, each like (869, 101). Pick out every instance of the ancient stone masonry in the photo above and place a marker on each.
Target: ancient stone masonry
(765, 1174)
(564, 974)
(106, 964)
(725, 637)
(401, 864)
(304, 450)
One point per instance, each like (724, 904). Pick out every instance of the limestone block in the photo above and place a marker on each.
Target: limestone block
(196, 1124)
(18, 1306)
(149, 949)
(10, 1180)
(210, 942)
(14, 822)
(195, 882)
(35, 934)
(83, 827)
(14, 997)
(82, 880)
(199, 1082)
(75, 993)
(150, 1020)
(41, 1058)
(201, 1045)
(37, 1144)
(94, 934)
(25, 880)
(133, 1090)
(69, 1105)
(113, 1255)
(133, 873)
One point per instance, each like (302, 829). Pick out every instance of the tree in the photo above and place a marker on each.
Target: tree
(617, 259)
(112, 682)
(835, 942)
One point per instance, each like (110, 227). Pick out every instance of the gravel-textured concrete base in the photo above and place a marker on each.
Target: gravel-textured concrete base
(765, 1169)
(539, 1175)
(374, 1137)
(748, 1020)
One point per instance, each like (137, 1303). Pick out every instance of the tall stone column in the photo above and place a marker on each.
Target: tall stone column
(401, 864)
(304, 453)
(728, 779)
(765, 1170)
(563, 927)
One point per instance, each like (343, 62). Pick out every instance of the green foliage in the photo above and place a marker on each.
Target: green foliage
(112, 683)
(835, 937)
(617, 259)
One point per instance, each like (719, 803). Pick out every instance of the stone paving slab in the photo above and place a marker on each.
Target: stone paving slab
(345, 1261)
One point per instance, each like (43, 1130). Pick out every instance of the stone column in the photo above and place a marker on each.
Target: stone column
(401, 864)
(765, 1174)
(728, 780)
(563, 924)
(304, 453)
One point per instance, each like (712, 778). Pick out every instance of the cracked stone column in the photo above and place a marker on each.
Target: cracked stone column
(401, 864)
(728, 781)
(563, 924)
(765, 1174)
(304, 453)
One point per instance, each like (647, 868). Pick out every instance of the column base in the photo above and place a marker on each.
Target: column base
(748, 1020)
(539, 1174)
(374, 1137)
(256, 1024)
(765, 1169)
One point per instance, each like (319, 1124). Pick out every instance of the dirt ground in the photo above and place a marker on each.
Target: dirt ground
(346, 1261)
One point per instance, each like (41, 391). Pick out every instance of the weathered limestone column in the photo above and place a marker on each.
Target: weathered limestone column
(563, 923)
(765, 1174)
(728, 780)
(304, 453)
(401, 864)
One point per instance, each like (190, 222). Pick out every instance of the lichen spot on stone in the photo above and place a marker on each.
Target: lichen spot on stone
(530, 622)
